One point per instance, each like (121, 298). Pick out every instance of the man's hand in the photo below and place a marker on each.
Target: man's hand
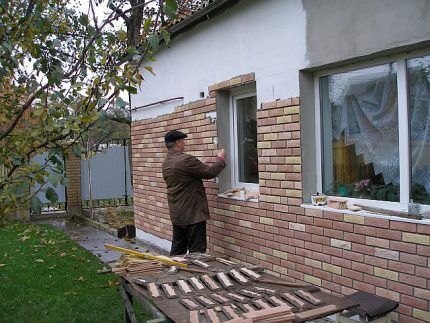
(222, 154)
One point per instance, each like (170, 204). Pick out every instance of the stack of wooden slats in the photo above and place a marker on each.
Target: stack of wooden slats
(130, 265)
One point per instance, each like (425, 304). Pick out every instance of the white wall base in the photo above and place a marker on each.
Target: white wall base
(154, 240)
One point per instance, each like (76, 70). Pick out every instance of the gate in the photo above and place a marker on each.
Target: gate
(60, 189)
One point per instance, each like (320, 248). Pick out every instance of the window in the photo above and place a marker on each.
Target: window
(244, 141)
(375, 132)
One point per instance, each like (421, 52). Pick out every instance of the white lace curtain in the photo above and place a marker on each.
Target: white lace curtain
(364, 108)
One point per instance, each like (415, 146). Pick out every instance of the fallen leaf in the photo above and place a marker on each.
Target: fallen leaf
(112, 283)
(39, 260)
(63, 254)
(2, 265)
(81, 278)
(70, 293)
(24, 238)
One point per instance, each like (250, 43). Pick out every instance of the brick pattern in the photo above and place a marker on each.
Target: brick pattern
(341, 253)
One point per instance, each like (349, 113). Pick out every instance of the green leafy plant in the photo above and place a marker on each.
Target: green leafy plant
(60, 67)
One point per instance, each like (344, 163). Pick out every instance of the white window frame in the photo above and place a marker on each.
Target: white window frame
(404, 158)
(234, 96)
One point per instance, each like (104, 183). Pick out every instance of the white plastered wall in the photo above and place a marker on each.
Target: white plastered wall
(264, 37)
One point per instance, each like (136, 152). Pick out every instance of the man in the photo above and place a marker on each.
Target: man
(188, 205)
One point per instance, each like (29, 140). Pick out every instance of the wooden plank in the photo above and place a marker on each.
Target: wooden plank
(194, 316)
(315, 313)
(269, 313)
(129, 315)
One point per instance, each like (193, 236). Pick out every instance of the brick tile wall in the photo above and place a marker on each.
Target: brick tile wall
(341, 253)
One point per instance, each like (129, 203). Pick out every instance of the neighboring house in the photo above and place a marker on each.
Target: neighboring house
(306, 96)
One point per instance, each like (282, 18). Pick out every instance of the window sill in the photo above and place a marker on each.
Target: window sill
(237, 198)
(366, 214)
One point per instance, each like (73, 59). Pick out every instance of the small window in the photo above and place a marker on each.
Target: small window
(244, 141)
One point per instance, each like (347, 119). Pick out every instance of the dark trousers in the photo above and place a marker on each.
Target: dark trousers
(189, 237)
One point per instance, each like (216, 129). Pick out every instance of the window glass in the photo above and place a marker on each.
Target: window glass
(246, 111)
(419, 116)
(360, 149)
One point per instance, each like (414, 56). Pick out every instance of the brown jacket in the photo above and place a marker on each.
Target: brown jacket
(186, 194)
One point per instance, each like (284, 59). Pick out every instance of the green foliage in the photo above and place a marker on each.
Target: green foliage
(46, 277)
(60, 68)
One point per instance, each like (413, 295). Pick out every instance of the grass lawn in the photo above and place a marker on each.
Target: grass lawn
(47, 277)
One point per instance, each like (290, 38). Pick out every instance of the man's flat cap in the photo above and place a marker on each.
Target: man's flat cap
(174, 135)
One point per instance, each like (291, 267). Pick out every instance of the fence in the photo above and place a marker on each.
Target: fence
(106, 178)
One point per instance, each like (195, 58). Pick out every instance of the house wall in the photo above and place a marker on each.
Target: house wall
(339, 251)
(238, 42)
(339, 30)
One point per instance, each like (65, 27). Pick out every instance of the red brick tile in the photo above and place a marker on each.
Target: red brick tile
(403, 246)
(401, 267)
(376, 222)
(413, 259)
(401, 288)
(412, 280)
(403, 226)
(414, 302)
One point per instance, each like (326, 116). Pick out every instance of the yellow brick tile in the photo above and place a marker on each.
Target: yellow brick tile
(312, 280)
(332, 268)
(219, 249)
(273, 199)
(244, 223)
(293, 193)
(235, 81)
(352, 218)
(283, 119)
(293, 160)
(277, 176)
(259, 255)
(385, 273)
(292, 110)
(280, 254)
(416, 238)
(422, 315)
(340, 244)
(297, 226)
(422, 293)
(267, 221)
(235, 208)
(297, 168)
(270, 136)
(264, 144)
(229, 239)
